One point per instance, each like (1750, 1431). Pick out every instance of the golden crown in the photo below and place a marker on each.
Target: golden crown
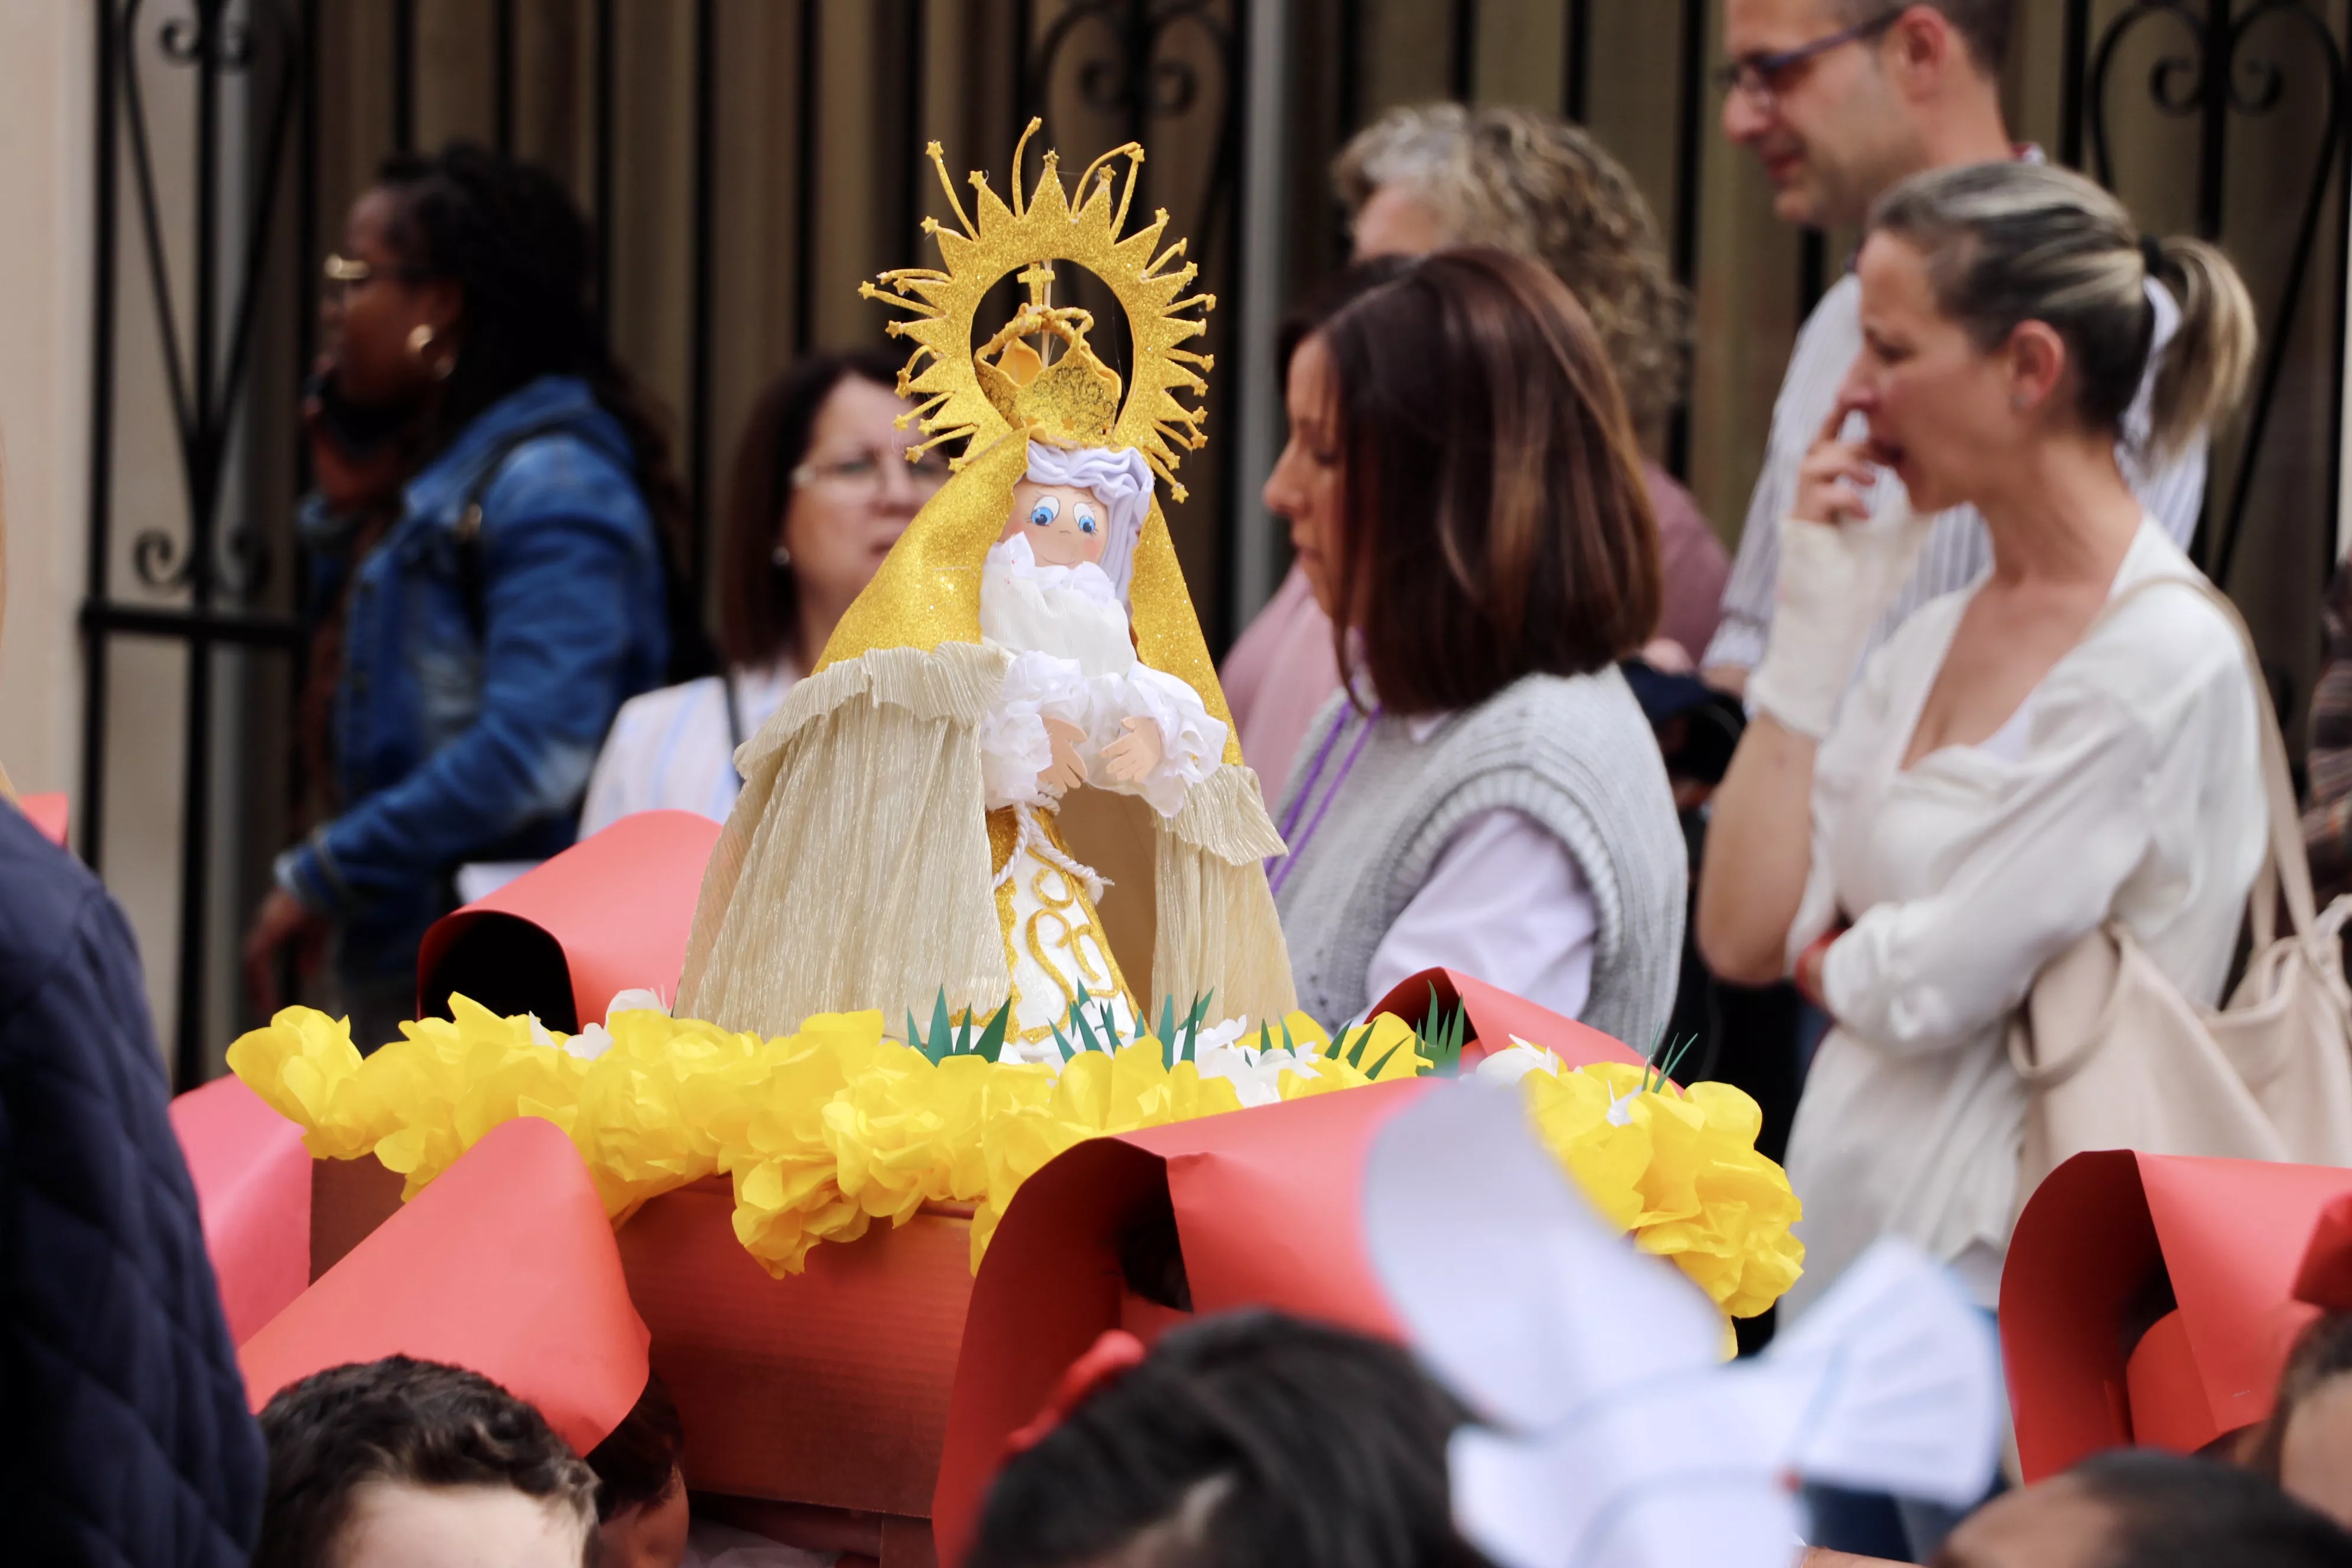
(1073, 398)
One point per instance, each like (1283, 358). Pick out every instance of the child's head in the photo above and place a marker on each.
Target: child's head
(1083, 504)
(641, 1508)
(2139, 1508)
(1247, 1439)
(2306, 1444)
(408, 1461)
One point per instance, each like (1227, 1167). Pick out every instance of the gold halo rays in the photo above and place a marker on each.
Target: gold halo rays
(1040, 226)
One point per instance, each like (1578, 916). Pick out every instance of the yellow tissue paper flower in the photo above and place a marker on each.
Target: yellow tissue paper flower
(1680, 1171)
(825, 1131)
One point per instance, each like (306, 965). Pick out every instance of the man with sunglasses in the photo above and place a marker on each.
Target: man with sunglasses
(1841, 100)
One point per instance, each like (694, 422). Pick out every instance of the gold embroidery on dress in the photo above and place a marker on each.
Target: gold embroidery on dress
(1063, 934)
(1003, 843)
(1084, 927)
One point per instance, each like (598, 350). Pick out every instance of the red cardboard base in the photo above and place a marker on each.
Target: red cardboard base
(829, 1387)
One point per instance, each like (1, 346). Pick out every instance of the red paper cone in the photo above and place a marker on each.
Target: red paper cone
(2092, 1250)
(253, 1189)
(1494, 1015)
(2324, 1279)
(610, 914)
(504, 1265)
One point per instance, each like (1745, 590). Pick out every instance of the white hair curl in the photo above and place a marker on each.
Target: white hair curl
(1115, 476)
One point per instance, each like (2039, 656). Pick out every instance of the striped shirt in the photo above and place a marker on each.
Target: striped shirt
(672, 749)
(1958, 551)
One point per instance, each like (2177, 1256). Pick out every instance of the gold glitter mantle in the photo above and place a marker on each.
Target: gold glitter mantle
(1037, 229)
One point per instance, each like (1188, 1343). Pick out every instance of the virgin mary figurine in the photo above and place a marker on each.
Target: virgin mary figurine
(1025, 662)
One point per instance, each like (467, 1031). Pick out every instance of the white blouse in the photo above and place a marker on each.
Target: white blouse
(2129, 784)
(1506, 903)
(671, 749)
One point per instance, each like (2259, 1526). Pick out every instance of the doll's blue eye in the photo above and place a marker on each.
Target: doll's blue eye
(1085, 522)
(1043, 513)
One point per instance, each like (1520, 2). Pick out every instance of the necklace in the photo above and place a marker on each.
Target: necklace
(1281, 866)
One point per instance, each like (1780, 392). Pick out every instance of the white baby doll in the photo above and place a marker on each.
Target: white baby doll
(1078, 707)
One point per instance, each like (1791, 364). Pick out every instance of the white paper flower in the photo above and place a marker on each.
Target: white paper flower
(1215, 1035)
(590, 1043)
(1255, 1074)
(1514, 1062)
(638, 999)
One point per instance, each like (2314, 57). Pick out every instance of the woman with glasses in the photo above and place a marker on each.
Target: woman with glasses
(489, 557)
(822, 491)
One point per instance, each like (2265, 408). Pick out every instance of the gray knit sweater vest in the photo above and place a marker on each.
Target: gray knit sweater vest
(1576, 756)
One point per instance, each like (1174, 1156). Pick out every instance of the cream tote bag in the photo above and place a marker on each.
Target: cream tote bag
(2116, 1057)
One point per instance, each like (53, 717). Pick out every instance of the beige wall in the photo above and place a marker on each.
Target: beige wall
(45, 106)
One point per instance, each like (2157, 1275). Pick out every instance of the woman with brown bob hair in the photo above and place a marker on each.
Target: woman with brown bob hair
(1466, 498)
(821, 492)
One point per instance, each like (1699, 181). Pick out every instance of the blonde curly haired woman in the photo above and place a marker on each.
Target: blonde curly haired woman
(1432, 175)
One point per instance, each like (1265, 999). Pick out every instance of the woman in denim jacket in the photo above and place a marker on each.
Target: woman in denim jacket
(485, 539)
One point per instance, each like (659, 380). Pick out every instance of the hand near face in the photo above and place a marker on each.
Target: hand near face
(1834, 474)
(1134, 755)
(1064, 772)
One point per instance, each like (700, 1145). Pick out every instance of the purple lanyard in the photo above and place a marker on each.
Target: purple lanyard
(1281, 866)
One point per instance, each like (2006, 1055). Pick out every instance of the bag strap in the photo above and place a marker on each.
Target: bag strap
(2284, 869)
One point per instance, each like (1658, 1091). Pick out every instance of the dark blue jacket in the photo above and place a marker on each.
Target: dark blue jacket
(480, 673)
(124, 1437)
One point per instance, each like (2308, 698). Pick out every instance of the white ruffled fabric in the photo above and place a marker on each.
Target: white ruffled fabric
(1071, 612)
(1190, 743)
(1074, 659)
(1013, 745)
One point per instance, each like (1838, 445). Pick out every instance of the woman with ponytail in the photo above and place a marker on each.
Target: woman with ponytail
(2020, 765)
(492, 549)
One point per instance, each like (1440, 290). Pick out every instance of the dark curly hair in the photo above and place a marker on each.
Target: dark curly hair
(521, 253)
(414, 1423)
(1247, 1441)
(1527, 181)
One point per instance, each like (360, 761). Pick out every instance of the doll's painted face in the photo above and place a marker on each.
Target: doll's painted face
(1064, 524)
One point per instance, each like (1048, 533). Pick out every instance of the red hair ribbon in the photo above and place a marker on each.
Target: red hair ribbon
(1110, 1358)
(2326, 1277)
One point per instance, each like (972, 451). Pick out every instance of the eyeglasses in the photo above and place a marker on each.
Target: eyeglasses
(345, 273)
(1758, 78)
(868, 469)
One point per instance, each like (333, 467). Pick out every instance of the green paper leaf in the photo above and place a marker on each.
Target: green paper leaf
(992, 1040)
(1199, 1011)
(942, 1031)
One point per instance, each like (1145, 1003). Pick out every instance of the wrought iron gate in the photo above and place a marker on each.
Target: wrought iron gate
(230, 134)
